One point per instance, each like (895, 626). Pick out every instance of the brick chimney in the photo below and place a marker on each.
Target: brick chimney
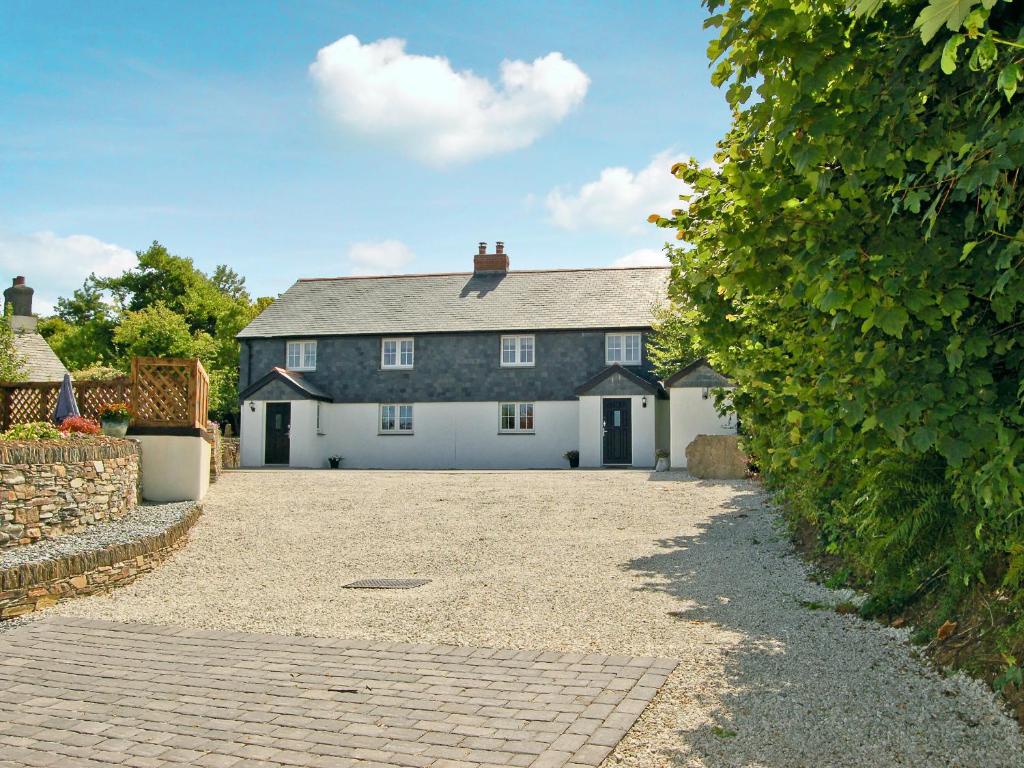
(490, 263)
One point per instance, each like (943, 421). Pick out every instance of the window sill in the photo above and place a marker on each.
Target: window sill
(518, 365)
(516, 432)
(397, 367)
(300, 370)
(624, 365)
(396, 433)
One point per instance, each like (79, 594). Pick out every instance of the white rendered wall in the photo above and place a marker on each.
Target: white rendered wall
(174, 467)
(445, 436)
(692, 415)
(250, 433)
(644, 430)
(590, 437)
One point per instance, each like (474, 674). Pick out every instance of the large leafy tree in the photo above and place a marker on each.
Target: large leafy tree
(855, 264)
(82, 330)
(164, 306)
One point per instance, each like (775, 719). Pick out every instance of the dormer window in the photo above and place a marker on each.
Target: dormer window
(397, 353)
(301, 356)
(622, 348)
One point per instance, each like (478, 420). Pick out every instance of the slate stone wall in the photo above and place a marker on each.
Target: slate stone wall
(449, 367)
(37, 585)
(52, 488)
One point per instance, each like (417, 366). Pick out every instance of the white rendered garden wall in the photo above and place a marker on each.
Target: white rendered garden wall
(692, 415)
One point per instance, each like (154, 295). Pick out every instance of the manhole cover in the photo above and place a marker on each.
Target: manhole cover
(387, 584)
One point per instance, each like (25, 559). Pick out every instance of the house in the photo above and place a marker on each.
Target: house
(489, 368)
(40, 363)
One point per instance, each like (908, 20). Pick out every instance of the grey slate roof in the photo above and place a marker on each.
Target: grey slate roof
(296, 381)
(698, 374)
(518, 300)
(618, 375)
(40, 362)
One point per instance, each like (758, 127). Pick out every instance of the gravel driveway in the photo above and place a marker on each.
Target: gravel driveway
(610, 561)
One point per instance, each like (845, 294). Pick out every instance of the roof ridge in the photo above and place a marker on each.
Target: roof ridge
(456, 274)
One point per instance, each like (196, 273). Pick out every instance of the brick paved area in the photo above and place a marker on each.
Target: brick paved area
(80, 692)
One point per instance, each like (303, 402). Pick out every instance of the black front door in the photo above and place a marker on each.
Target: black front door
(279, 420)
(618, 438)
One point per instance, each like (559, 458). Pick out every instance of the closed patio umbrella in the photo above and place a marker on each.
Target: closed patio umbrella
(66, 405)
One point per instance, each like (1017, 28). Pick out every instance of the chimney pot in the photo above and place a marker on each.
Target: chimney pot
(482, 249)
(499, 247)
(18, 298)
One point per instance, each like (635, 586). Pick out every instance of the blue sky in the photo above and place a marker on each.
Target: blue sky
(203, 126)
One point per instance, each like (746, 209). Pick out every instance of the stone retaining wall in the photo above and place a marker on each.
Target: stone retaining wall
(229, 452)
(37, 585)
(53, 487)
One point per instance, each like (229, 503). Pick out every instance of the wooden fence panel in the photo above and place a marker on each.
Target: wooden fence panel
(169, 392)
(162, 392)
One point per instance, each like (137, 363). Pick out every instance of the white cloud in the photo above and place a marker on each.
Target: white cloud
(386, 257)
(55, 266)
(620, 200)
(645, 257)
(427, 109)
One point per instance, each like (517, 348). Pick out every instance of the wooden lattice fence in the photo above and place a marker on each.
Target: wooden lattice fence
(169, 391)
(162, 392)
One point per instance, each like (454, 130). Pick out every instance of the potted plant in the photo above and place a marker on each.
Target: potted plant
(334, 461)
(661, 465)
(114, 419)
(573, 457)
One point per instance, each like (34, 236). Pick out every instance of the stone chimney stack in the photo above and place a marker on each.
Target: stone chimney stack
(18, 301)
(491, 263)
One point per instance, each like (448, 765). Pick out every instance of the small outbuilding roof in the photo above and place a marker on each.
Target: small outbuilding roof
(699, 373)
(619, 380)
(291, 381)
(486, 301)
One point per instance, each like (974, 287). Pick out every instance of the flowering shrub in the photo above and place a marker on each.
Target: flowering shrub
(81, 425)
(116, 411)
(35, 430)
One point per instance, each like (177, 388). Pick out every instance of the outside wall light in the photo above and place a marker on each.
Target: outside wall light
(643, 401)
(705, 393)
(252, 406)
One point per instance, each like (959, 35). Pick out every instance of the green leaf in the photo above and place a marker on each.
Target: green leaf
(938, 12)
(949, 53)
(892, 320)
(1009, 76)
(867, 8)
(923, 438)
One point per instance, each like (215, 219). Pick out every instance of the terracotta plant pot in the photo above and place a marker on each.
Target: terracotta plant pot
(114, 427)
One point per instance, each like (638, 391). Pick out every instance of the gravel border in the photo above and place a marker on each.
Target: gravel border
(144, 521)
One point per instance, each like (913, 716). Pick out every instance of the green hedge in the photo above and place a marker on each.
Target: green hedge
(855, 264)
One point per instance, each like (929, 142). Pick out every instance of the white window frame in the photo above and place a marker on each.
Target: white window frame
(396, 418)
(399, 342)
(518, 350)
(520, 410)
(304, 346)
(620, 340)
